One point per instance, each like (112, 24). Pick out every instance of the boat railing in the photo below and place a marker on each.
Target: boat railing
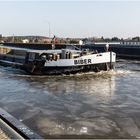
(13, 56)
(72, 47)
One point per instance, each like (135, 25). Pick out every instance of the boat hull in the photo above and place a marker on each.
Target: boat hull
(74, 70)
(44, 70)
(56, 62)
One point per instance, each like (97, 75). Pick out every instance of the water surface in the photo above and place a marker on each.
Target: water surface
(92, 105)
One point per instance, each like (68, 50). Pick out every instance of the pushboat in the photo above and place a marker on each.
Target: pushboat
(70, 60)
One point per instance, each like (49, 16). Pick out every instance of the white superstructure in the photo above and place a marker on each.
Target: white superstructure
(83, 60)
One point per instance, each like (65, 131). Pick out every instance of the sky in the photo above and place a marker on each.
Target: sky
(81, 18)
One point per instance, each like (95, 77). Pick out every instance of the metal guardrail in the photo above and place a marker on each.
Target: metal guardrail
(14, 128)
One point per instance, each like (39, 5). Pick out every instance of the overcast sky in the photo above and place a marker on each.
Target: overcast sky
(70, 18)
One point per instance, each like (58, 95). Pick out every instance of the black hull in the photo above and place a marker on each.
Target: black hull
(39, 69)
(74, 69)
(11, 64)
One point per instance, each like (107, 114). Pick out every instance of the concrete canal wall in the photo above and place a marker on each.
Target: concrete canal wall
(11, 128)
(36, 46)
(122, 51)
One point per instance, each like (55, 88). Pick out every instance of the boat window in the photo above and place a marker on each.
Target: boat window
(50, 57)
(43, 57)
(31, 56)
(99, 54)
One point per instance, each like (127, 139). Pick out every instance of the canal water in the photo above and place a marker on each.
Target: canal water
(92, 105)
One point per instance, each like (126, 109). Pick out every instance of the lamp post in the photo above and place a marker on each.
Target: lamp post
(49, 28)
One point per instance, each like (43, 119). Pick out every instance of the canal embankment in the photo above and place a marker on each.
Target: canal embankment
(11, 128)
(121, 50)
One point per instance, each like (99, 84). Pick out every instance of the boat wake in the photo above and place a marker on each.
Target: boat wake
(8, 71)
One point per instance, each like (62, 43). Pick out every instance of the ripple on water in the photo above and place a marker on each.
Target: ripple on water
(103, 105)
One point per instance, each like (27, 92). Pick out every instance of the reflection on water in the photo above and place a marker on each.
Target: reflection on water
(97, 105)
